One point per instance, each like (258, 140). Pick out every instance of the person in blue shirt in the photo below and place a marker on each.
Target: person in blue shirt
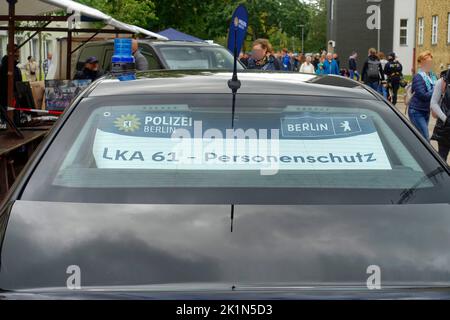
(330, 65)
(422, 88)
(319, 70)
(285, 61)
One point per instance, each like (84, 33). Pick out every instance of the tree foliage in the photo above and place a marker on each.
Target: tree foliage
(137, 12)
(277, 20)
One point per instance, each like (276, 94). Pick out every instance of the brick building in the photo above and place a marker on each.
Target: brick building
(433, 30)
(406, 27)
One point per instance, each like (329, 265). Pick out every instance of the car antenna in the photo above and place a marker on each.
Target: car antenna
(234, 84)
(232, 217)
(239, 24)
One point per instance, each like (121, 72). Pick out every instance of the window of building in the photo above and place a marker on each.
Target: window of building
(421, 24)
(48, 48)
(434, 30)
(403, 32)
(35, 47)
(448, 28)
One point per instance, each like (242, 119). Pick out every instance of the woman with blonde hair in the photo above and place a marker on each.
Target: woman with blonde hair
(422, 89)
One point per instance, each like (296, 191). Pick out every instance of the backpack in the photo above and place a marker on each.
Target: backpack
(408, 95)
(373, 69)
(441, 132)
(445, 102)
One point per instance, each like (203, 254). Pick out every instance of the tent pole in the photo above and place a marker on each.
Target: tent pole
(11, 65)
(11, 51)
(60, 29)
(84, 42)
(35, 18)
(69, 54)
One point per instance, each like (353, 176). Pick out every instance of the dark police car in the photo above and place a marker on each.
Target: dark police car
(161, 54)
(308, 187)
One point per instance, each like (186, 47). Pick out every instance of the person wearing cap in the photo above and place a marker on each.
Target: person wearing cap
(393, 71)
(91, 70)
(440, 105)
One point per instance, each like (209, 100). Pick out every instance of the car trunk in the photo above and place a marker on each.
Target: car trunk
(271, 246)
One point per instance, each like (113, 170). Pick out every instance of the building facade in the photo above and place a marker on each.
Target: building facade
(404, 39)
(35, 48)
(386, 25)
(40, 46)
(433, 31)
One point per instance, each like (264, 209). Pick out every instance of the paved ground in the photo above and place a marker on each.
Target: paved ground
(401, 107)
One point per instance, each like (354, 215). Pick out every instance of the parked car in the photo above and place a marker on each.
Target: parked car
(156, 188)
(164, 55)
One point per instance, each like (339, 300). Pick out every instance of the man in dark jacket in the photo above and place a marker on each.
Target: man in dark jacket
(262, 56)
(4, 81)
(393, 71)
(316, 61)
(91, 70)
(352, 66)
(336, 58)
(372, 72)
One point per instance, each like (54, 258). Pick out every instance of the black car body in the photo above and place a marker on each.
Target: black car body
(165, 232)
(163, 55)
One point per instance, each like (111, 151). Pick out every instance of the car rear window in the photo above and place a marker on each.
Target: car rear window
(197, 57)
(274, 143)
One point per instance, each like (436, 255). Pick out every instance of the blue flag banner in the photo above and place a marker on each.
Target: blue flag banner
(238, 28)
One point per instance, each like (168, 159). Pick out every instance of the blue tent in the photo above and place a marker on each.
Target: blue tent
(173, 34)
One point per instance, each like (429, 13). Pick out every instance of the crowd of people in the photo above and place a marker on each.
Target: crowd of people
(380, 73)
(427, 94)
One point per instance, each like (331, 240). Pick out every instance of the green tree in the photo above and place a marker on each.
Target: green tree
(277, 20)
(137, 12)
(317, 28)
(189, 16)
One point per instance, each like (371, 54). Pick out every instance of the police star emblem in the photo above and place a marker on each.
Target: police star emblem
(127, 123)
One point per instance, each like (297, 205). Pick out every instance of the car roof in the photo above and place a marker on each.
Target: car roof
(215, 82)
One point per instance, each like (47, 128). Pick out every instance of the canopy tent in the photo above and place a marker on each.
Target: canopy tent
(28, 7)
(173, 34)
(14, 11)
(37, 7)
